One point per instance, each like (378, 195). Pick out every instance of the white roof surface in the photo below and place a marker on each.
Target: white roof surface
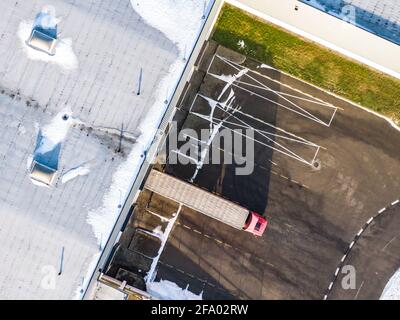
(95, 75)
(381, 17)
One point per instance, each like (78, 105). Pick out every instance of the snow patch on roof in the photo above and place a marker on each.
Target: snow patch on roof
(181, 31)
(56, 131)
(392, 289)
(151, 274)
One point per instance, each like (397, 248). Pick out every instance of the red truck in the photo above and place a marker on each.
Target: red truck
(206, 202)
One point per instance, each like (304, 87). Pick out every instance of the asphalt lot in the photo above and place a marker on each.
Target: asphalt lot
(374, 257)
(313, 211)
(323, 167)
(111, 43)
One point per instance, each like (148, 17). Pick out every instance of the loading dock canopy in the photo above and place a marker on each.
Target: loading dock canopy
(197, 199)
(42, 173)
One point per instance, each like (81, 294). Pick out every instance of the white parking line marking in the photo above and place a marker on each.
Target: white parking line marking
(337, 271)
(352, 244)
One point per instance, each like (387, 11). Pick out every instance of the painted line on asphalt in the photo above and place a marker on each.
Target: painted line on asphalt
(356, 238)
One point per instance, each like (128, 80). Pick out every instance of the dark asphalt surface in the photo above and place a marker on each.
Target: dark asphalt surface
(313, 213)
(310, 227)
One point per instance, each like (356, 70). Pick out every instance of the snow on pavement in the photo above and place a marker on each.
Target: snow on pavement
(164, 289)
(183, 32)
(47, 18)
(50, 138)
(75, 172)
(64, 57)
(392, 289)
(167, 290)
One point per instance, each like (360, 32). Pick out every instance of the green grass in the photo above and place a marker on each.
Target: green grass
(308, 61)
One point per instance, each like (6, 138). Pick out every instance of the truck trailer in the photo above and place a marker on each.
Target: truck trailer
(205, 202)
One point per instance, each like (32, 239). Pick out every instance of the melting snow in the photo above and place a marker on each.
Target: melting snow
(85, 281)
(392, 289)
(241, 44)
(158, 231)
(64, 57)
(56, 131)
(183, 32)
(50, 137)
(167, 290)
(230, 79)
(214, 127)
(47, 18)
(317, 4)
(163, 236)
(204, 150)
(163, 16)
(266, 66)
(212, 104)
(39, 184)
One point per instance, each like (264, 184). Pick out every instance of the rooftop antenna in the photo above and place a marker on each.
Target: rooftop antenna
(140, 82)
